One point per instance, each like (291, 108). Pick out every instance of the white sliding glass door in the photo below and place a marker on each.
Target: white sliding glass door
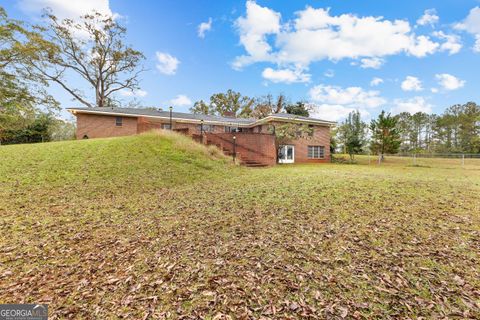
(286, 154)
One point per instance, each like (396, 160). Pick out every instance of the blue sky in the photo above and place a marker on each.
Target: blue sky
(338, 55)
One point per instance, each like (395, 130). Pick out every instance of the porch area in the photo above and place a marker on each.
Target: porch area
(248, 148)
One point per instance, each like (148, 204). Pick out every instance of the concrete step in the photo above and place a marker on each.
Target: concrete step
(255, 165)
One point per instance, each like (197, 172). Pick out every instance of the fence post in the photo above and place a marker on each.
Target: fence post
(414, 159)
(234, 154)
(369, 158)
(463, 160)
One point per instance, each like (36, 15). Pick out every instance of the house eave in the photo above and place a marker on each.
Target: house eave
(258, 122)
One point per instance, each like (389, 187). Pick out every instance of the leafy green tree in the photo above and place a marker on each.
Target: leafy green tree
(385, 135)
(22, 92)
(354, 132)
(417, 135)
(61, 130)
(333, 140)
(457, 129)
(231, 102)
(405, 129)
(225, 104)
(469, 127)
(299, 109)
(38, 130)
(200, 107)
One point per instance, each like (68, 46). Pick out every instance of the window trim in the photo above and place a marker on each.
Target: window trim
(233, 129)
(320, 154)
(118, 121)
(206, 128)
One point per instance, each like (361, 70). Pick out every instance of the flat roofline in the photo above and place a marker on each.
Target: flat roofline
(267, 119)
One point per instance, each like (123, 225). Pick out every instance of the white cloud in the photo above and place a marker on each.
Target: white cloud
(429, 17)
(135, 93)
(66, 9)
(376, 81)
(166, 63)
(423, 46)
(204, 27)
(285, 75)
(353, 97)
(414, 105)
(412, 84)
(373, 63)
(471, 24)
(434, 90)
(69, 10)
(180, 100)
(452, 42)
(317, 35)
(449, 82)
(334, 112)
(254, 28)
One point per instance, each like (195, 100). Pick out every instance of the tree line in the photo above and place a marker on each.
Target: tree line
(457, 130)
(232, 103)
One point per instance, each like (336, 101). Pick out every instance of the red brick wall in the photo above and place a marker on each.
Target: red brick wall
(146, 124)
(249, 146)
(321, 137)
(100, 126)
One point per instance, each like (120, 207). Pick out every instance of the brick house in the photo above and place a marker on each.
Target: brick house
(251, 140)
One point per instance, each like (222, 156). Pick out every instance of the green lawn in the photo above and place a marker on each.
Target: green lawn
(159, 227)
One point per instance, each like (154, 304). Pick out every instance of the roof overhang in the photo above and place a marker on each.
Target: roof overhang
(232, 123)
(272, 118)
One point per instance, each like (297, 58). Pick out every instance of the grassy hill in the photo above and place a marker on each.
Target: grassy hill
(155, 226)
(155, 159)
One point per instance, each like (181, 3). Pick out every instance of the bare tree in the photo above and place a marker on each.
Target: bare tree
(94, 49)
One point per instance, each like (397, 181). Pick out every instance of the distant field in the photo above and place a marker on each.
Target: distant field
(146, 227)
(451, 161)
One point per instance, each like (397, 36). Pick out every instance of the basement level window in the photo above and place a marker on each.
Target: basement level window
(166, 126)
(234, 129)
(206, 128)
(316, 152)
(118, 121)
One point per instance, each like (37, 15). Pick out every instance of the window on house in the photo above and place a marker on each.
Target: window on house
(166, 126)
(206, 128)
(118, 121)
(233, 129)
(316, 152)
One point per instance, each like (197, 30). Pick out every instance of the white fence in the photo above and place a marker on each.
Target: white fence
(444, 160)
(436, 159)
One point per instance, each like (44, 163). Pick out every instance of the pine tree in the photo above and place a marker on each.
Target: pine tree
(385, 135)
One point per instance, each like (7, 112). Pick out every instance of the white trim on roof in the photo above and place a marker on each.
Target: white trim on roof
(198, 121)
